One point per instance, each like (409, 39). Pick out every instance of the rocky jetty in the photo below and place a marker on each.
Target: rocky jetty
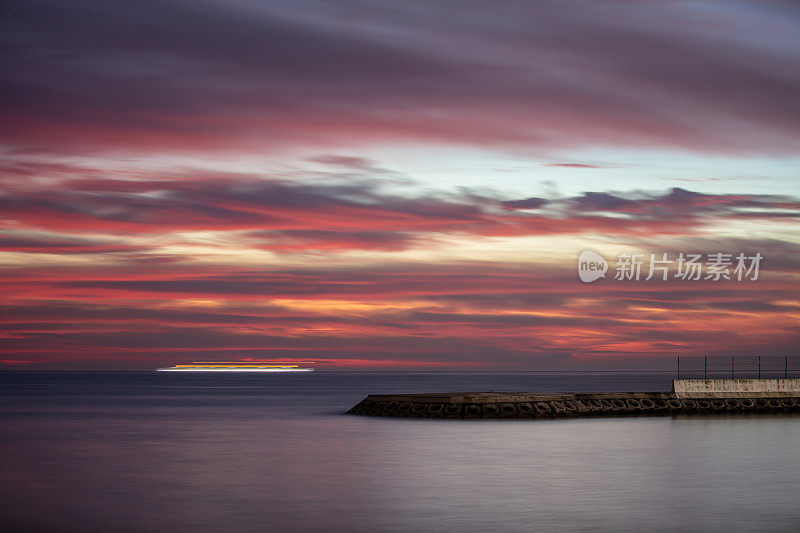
(542, 405)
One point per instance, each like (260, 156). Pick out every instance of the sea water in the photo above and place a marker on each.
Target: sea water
(140, 451)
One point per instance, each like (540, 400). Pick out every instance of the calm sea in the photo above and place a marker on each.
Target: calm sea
(138, 451)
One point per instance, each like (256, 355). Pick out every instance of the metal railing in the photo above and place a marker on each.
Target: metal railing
(738, 366)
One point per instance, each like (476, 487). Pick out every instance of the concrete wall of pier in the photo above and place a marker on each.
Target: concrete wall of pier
(735, 388)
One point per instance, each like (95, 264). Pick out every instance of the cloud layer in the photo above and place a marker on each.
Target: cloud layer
(147, 271)
(280, 214)
(184, 75)
(287, 180)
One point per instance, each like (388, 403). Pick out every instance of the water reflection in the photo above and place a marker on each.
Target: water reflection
(136, 453)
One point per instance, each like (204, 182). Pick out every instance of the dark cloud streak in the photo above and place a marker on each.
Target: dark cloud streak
(284, 215)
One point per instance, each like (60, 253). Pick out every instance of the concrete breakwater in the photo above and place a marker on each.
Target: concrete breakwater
(689, 398)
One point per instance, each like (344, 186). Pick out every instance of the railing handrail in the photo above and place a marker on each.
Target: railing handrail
(733, 358)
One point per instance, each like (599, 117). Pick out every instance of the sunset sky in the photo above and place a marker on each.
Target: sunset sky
(394, 185)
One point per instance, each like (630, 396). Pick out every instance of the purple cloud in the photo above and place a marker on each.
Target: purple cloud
(554, 74)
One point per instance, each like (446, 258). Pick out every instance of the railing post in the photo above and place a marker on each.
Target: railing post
(679, 367)
(732, 366)
(705, 367)
(759, 367)
(786, 368)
